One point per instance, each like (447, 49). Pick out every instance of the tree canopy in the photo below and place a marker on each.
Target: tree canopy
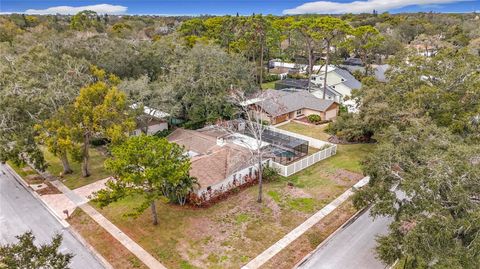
(151, 169)
(26, 254)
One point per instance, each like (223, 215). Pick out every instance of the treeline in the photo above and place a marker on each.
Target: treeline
(185, 66)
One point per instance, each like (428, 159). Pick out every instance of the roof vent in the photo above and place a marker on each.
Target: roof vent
(220, 141)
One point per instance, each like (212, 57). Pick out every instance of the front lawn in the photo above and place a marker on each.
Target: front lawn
(234, 231)
(75, 180)
(27, 173)
(109, 247)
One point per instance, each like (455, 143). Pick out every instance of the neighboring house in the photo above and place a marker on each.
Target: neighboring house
(219, 160)
(340, 83)
(378, 70)
(338, 79)
(151, 122)
(276, 106)
(302, 84)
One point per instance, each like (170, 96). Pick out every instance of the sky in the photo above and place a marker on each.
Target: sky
(243, 7)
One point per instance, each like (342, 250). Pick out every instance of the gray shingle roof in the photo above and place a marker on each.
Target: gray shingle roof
(350, 80)
(277, 102)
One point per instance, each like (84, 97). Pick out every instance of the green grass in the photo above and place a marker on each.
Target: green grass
(20, 169)
(348, 157)
(314, 131)
(275, 196)
(242, 218)
(206, 237)
(269, 85)
(75, 180)
(28, 174)
(306, 205)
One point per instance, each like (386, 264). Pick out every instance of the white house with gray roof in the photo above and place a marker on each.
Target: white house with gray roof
(338, 79)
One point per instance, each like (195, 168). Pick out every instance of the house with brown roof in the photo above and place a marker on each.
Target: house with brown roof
(276, 106)
(218, 163)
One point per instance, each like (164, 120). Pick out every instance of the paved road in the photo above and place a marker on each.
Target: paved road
(20, 212)
(352, 247)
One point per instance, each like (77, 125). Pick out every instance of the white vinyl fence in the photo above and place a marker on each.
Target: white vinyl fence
(312, 142)
(287, 170)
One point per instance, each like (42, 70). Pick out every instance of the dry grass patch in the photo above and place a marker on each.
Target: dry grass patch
(307, 242)
(232, 232)
(109, 247)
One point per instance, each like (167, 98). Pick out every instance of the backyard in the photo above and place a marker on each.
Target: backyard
(232, 232)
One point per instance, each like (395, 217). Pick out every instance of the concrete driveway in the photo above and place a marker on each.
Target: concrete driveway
(20, 212)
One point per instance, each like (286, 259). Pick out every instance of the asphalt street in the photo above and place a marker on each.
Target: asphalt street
(21, 212)
(352, 247)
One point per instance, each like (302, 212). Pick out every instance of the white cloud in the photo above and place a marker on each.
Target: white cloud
(330, 7)
(69, 10)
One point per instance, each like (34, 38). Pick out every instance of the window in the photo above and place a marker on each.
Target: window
(250, 172)
(234, 176)
(343, 79)
(299, 112)
(333, 86)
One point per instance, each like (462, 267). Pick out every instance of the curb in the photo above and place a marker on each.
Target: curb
(294, 234)
(90, 248)
(364, 181)
(326, 240)
(63, 222)
(20, 180)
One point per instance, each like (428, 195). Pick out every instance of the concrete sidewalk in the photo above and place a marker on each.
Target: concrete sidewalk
(79, 198)
(302, 228)
(71, 199)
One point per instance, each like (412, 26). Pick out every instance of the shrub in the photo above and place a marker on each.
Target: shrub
(163, 133)
(270, 78)
(314, 118)
(350, 129)
(270, 174)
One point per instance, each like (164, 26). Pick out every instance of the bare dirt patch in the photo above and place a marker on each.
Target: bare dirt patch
(33, 179)
(306, 243)
(345, 178)
(50, 189)
(296, 192)
(109, 247)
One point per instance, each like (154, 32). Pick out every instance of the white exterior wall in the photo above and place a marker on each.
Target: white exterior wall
(319, 95)
(152, 129)
(227, 183)
(157, 127)
(342, 89)
(288, 170)
(331, 114)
